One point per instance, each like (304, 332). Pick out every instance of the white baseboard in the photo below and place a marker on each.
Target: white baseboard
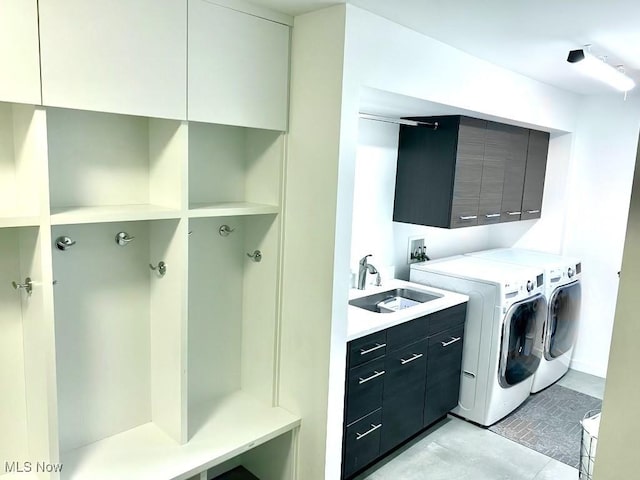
(588, 367)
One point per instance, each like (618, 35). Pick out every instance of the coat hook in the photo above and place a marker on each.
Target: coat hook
(225, 230)
(122, 238)
(161, 268)
(27, 286)
(64, 243)
(256, 256)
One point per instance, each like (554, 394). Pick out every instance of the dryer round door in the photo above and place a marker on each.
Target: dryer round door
(562, 320)
(521, 347)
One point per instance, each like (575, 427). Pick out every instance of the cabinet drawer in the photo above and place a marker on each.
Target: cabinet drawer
(361, 443)
(367, 348)
(403, 398)
(447, 318)
(406, 333)
(364, 389)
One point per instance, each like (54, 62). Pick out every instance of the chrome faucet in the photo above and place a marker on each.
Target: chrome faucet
(362, 272)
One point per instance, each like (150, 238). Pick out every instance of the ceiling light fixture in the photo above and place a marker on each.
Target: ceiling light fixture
(600, 70)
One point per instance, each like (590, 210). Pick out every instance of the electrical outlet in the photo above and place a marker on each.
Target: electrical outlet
(416, 250)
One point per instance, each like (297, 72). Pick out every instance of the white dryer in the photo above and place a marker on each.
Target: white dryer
(505, 316)
(563, 293)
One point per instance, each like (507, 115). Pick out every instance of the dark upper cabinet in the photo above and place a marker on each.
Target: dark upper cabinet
(468, 172)
(534, 177)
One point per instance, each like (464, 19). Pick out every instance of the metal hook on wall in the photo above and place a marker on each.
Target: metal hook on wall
(64, 243)
(225, 230)
(256, 256)
(27, 286)
(161, 268)
(123, 238)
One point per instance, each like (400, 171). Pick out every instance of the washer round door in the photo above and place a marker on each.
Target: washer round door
(562, 320)
(521, 348)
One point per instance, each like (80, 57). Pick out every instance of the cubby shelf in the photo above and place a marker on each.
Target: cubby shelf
(230, 209)
(229, 427)
(111, 213)
(18, 221)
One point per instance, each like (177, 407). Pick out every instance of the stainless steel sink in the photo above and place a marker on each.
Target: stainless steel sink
(393, 300)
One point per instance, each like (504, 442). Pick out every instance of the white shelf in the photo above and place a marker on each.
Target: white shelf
(111, 213)
(230, 209)
(9, 220)
(20, 476)
(231, 426)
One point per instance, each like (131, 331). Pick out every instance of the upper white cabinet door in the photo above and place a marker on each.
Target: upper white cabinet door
(19, 56)
(118, 56)
(238, 68)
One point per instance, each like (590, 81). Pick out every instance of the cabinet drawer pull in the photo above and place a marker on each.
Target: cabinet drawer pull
(376, 374)
(371, 430)
(453, 340)
(514, 213)
(415, 356)
(492, 215)
(372, 349)
(468, 217)
(533, 211)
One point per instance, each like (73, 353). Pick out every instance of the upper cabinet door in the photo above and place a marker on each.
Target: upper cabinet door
(238, 68)
(19, 56)
(514, 170)
(468, 175)
(534, 177)
(496, 151)
(116, 56)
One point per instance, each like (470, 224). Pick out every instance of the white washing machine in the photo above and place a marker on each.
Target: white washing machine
(505, 316)
(563, 294)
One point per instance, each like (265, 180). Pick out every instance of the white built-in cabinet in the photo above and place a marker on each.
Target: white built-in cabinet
(110, 365)
(238, 74)
(19, 55)
(117, 56)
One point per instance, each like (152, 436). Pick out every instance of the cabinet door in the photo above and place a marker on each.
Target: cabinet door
(496, 151)
(361, 443)
(19, 56)
(115, 56)
(514, 171)
(238, 68)
(468, 176)
(403, 397)
(443, 374)
(534, 177)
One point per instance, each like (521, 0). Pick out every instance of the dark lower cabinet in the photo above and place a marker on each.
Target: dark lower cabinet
(362, 442)
(403, 398)
(409, 380)
(443, 374)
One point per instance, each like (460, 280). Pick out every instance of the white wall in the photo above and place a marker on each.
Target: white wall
(598, 203)
(617, 446)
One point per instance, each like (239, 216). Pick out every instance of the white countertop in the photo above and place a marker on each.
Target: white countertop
(361, 322)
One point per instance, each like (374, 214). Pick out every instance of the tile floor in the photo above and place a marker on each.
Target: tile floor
(458, 450)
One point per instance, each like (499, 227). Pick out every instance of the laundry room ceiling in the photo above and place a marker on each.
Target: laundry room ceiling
(529, 37)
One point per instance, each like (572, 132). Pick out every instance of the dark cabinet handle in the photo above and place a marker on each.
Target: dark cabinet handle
(373, 349)
(376, 374)
(415, 356)
(453, 340)
(371, 430)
